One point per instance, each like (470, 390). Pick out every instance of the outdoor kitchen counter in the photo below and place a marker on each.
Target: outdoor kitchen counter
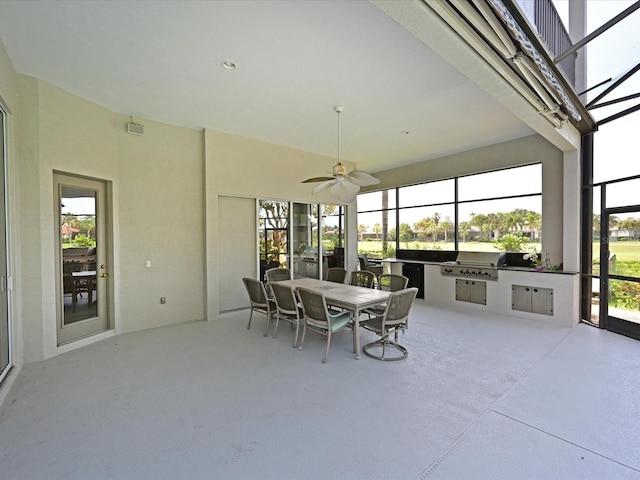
(533, 270)
(441, 290)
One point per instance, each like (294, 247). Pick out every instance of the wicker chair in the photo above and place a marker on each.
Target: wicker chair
(259, 301)
(362, 278)
(287, 307)
(394, 318)
(320, 318)
(277, 274)
(365, 264)
(336, 274)
(392, 282)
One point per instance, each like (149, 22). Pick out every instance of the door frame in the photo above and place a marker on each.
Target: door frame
(104, 259)
(5, 277)
(608, 322)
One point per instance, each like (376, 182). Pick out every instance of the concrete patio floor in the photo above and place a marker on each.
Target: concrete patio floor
(480, 396)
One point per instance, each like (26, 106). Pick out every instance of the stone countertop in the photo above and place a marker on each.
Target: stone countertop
(506, 267)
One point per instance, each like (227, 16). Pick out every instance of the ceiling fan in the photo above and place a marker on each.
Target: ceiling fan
(344, 186)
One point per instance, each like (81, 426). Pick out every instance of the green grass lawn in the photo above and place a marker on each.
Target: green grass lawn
(624, 251)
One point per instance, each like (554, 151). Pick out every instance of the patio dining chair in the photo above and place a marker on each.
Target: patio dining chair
(259, 301)
(287, 307)
(362, 278)
(391, 282)
(318, 317)
(277, 274)
(365, 264)
(336, 274)
(394, 318)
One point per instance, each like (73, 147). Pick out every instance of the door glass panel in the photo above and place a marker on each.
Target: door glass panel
(78, 242)
(333, 235)
(624, 300)
(5, 337)
(274, 236)
(304, 240)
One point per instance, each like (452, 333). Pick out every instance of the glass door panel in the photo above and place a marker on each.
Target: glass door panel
(274, 235)
(304, 240)
(5, 331)
(332, 229)
(621, 273)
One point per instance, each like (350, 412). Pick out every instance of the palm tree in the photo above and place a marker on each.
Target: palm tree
(377, 229)
(446, 227)
(361, 230)
(422, 227)
(533, 220)
(480, 220)
(464, 228)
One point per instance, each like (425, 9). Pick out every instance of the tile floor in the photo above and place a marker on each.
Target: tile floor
(480, 396)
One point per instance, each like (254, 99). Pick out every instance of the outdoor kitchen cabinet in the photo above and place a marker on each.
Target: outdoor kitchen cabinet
(472, 291)
(532, 299)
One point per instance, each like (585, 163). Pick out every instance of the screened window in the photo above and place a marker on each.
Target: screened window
(500, 209)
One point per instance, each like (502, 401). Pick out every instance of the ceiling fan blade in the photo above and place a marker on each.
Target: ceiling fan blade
(345, 191)
(317, 179)
(323, 186)
(362, 178)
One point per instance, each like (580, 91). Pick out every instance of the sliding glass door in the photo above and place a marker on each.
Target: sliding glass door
(304, 237)
(5, 327)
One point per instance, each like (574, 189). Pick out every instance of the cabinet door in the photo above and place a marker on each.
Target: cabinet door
(521, 298)
(462, 290)
(478, 292)
(542, 300)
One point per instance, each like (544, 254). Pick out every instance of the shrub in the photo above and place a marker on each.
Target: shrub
(511, 242)
(82, 240)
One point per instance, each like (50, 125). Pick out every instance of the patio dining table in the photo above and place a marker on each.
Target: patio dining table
(349, 297)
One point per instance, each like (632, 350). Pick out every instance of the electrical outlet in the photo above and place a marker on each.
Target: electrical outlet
(147, 264)
(163, 300)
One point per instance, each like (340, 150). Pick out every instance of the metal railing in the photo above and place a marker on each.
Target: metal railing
(551, 30)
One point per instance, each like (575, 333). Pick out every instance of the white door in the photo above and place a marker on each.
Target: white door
(82, 257)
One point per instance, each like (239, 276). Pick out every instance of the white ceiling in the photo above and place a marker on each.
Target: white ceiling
(295, 61)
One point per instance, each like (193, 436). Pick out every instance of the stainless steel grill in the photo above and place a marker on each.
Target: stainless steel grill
(480, 265)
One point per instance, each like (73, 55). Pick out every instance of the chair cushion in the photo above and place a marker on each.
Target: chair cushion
(342, 319)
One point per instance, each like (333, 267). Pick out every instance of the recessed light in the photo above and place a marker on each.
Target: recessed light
(228, 65)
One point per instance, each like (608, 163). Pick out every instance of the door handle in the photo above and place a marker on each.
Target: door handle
(102, 275)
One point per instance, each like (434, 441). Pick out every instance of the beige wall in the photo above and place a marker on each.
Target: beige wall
(158, 210)
(245, 167)
(161, 219)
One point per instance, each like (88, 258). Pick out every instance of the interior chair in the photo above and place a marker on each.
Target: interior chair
(362, 278)
(373, 267)
(336, 274)
(394, 318)
(277, 274)
(259, 301)
(287, 307)
(317, 316)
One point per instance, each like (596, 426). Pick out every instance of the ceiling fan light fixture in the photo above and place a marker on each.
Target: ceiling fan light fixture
(343, 186)
(339, 170)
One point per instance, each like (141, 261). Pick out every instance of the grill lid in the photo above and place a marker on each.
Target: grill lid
(481, 259)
